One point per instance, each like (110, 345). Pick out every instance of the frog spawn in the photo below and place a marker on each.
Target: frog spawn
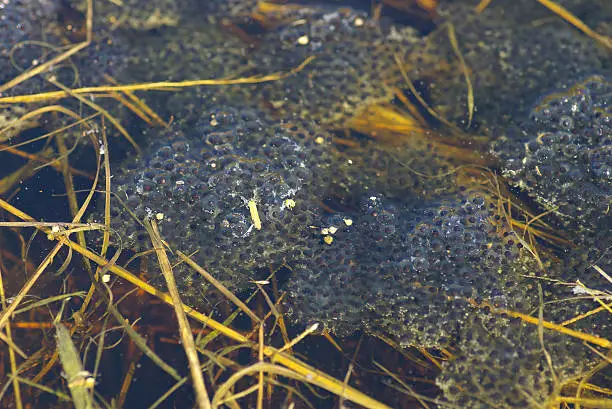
(564, 162)
(408, 272)
(216, 189)
(415, 279)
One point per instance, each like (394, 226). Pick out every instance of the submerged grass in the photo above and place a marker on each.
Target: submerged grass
(150, 86)
(299, 369)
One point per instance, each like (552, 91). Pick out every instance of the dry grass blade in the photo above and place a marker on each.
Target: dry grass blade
(48, 301)
(129, 105)
(417, 95)
(55, 61)
(602, 273)
(408, 389)
(273, 310)
(12, 359)
(56, 227)
(582, 385)
(555, 379)
(377, 118)
(227, 322)
(127, 381)
(8, 311)
(221, 396)
(430, 357)
(331, 340)
(347, 377)
(223, 392)
(260, 382)
(592, 339)
(43, 67)
(59, 395)
(470, 90)
(107, 190)
(597, 297)
(12, 345)
(607, 358)
(102, 111)
(164, 85)
(101, 338)
(482, 5)
(224, 362)
(589, 403)
(586, 314)
(323, 380)
(139, 103)
(566, 15)
(300, 337)
(169, 392)
(69, 184)
(212, 280)
(184, 328)
(80, 382)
